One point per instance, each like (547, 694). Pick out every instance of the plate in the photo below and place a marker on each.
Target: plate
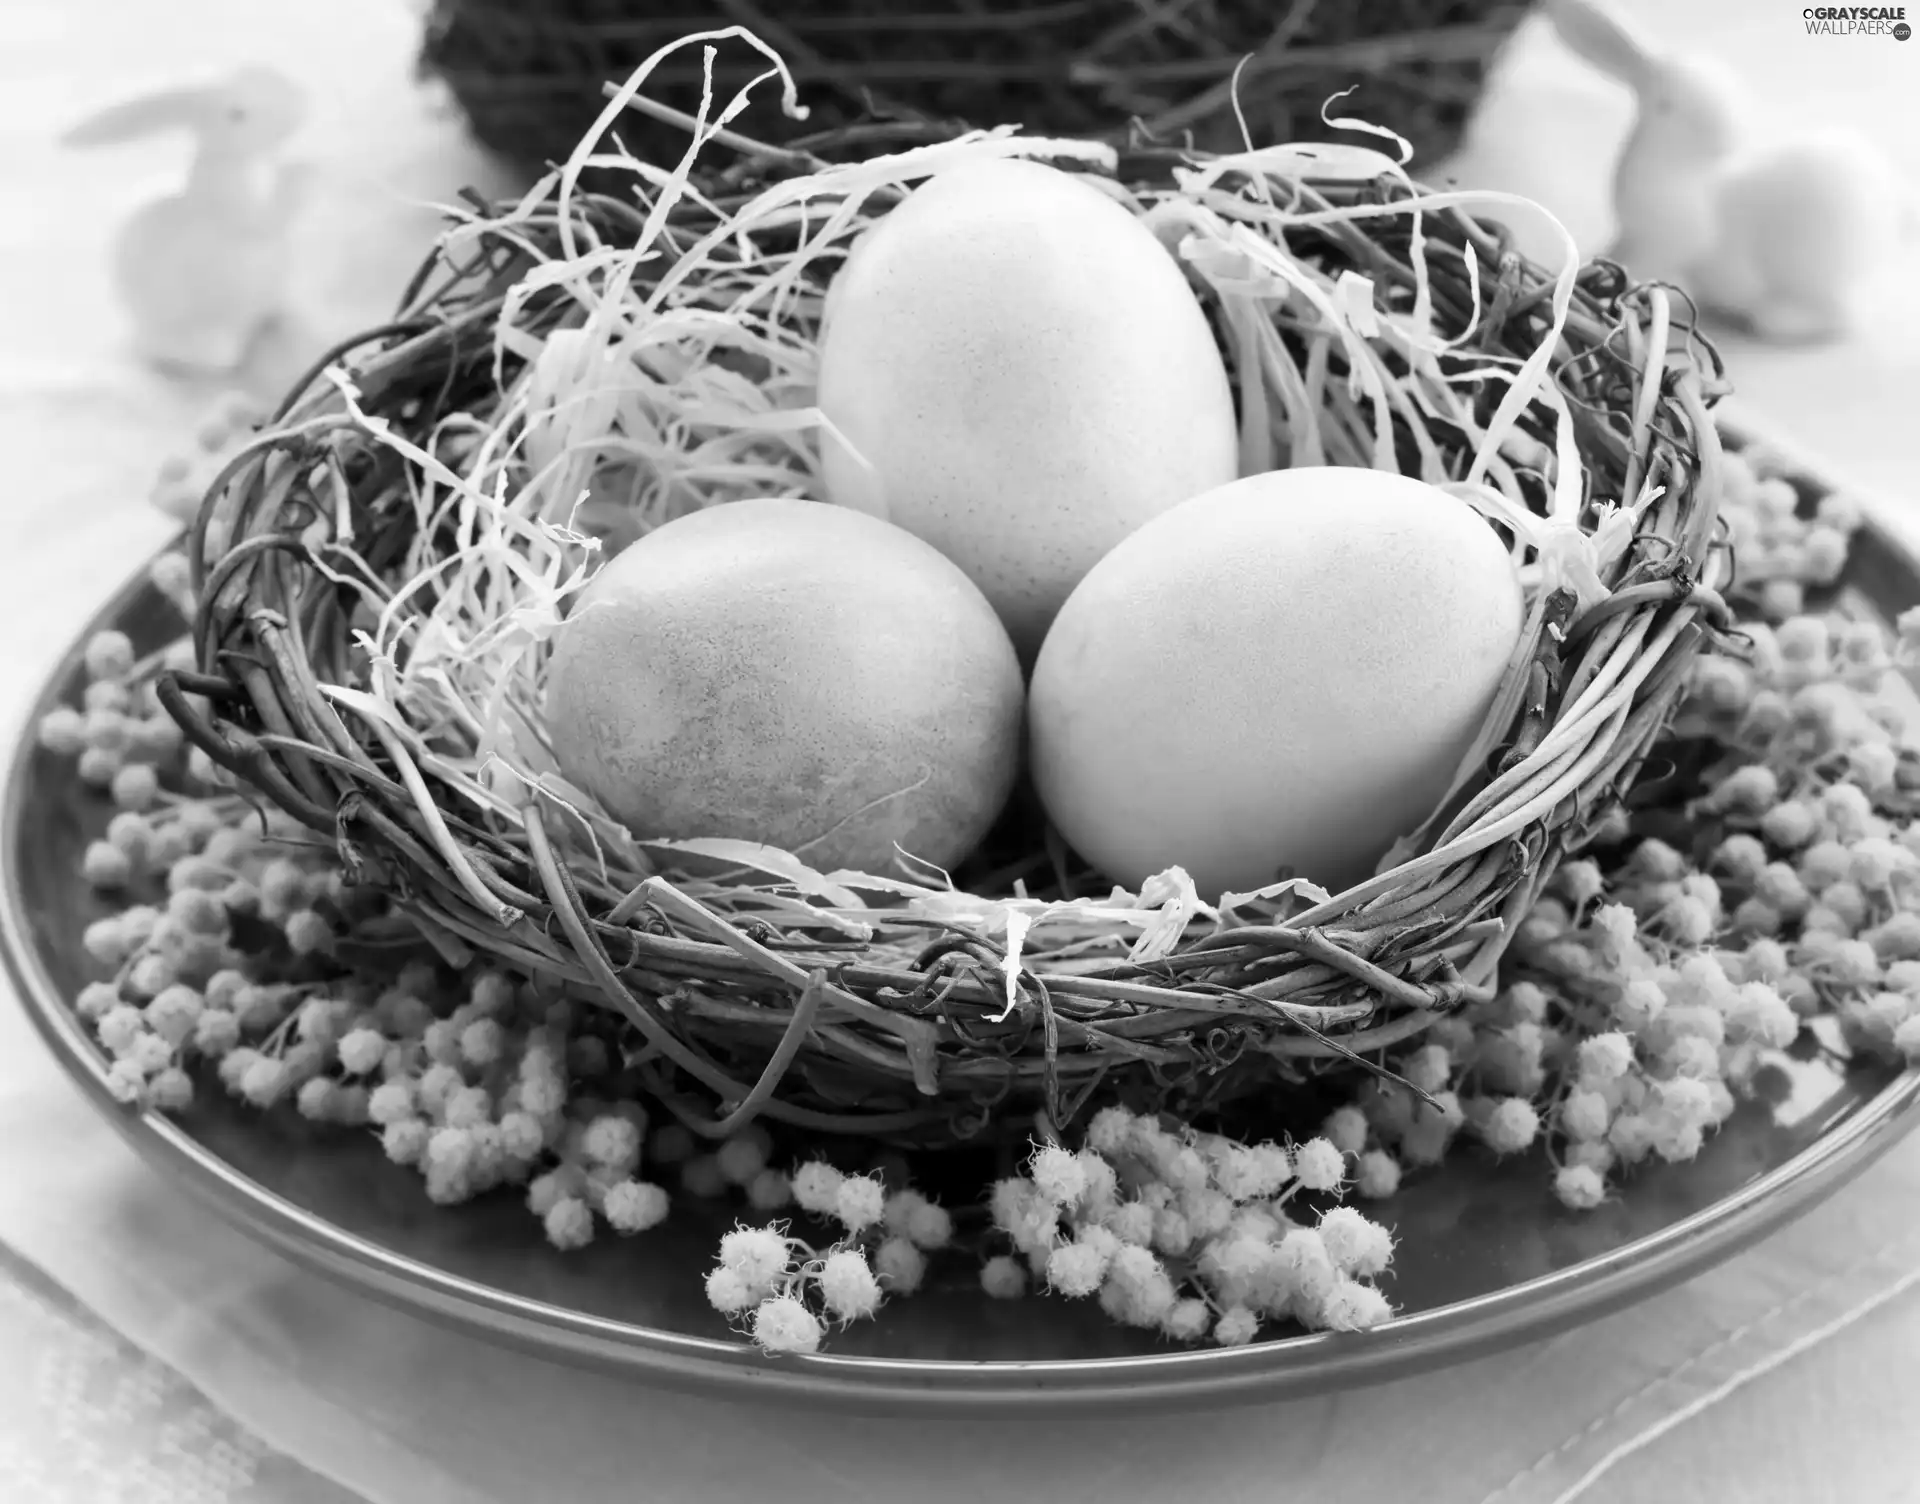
(1487, 1259)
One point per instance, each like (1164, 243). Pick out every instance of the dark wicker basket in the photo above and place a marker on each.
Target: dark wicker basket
(528, 73)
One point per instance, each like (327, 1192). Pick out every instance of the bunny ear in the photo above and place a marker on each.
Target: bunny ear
(170, 109)
(1597, 32)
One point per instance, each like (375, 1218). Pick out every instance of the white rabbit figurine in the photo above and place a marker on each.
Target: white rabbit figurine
(1782, 235)
(204, 271)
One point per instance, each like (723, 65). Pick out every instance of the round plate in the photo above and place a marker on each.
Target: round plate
(1487, 1259)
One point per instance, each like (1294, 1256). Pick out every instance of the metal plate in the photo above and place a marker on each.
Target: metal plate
(1487, 1259)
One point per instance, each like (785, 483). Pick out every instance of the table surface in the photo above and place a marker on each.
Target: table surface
(85, 1416)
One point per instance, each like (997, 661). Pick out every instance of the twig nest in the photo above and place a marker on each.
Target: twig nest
(793, 674)
(391, 577)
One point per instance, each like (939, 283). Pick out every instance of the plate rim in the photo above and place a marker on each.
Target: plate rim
(1173, 1379)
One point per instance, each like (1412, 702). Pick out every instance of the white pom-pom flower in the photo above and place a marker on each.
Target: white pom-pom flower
(1189, 1320)
(1584, 1114)
(1606, 1057)
(901, 1266)
(1131, 1222)
(760, 1255)
(1009, 1201)
(848, 1285)
(634, 1206)
(1110, 1132)
(729, 1293)
(1103, 1182)
(899, 1210)
(1003, 1278)
(1579, 1187)
(1356, 1244)
(859, 1202)
(816, 1187)
(742, 1157)
(1318, 1165)
(1353, 1306)
(1058, 1174)
(361, 1050)
(1376, 1175)
(1427, 1069)
(404, 1141)
(1207, 1211)
(1076, 1269)
(769, 1191)
(929, 1226)
(612, 1143)
(569, 1223)
(1303, 1260)
(783, 1324)
(1346, 1129)
(1511, 1126)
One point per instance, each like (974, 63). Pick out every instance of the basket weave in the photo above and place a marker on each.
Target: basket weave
(726, 1020)
(528, 73)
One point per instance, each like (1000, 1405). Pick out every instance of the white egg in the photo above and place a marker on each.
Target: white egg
(1281, 675)
(793, 674)
(1024, 377)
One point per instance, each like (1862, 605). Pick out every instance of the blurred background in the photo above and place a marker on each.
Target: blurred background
(86, 425)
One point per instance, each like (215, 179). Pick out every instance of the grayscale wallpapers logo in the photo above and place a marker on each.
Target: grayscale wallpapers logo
(1857, 21)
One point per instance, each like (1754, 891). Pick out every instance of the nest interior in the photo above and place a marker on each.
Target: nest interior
(529, 77)
(380, 569)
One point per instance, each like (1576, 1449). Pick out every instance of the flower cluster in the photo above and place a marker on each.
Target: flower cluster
(1655, 985)
(1782, 546)
(786, 1292)
(1190, 1234)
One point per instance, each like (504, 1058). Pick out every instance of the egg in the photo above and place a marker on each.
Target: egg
(794, 674)
(1017, 371)
(1280, 676)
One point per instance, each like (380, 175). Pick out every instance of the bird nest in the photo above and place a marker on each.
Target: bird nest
(528, 77)
(382, 569)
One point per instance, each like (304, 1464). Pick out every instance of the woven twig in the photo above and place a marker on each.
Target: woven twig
(529, 76)
(734, 1013)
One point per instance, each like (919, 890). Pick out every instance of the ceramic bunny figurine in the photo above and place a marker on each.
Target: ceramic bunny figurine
(1779, 234)
(204, 271)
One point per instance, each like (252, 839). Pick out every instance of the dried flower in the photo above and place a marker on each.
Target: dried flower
(1376, 1175)
(1002, 1278)
(1236, 1327)
(859, 1202)
(769, 1191)
(900, 1265)
(1318, 1165)
(1076, 1269)
(848, 1285)
(1355, 1244)
(569, 1223)
(816, 1187)
(1353, 1306)
(783, 1324)
(743, 1157)
(1346, 1129)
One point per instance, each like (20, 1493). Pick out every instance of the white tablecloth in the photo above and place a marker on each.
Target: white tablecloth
(152, 1356)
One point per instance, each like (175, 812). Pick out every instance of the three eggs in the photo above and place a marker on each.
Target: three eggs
(1244, 677)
